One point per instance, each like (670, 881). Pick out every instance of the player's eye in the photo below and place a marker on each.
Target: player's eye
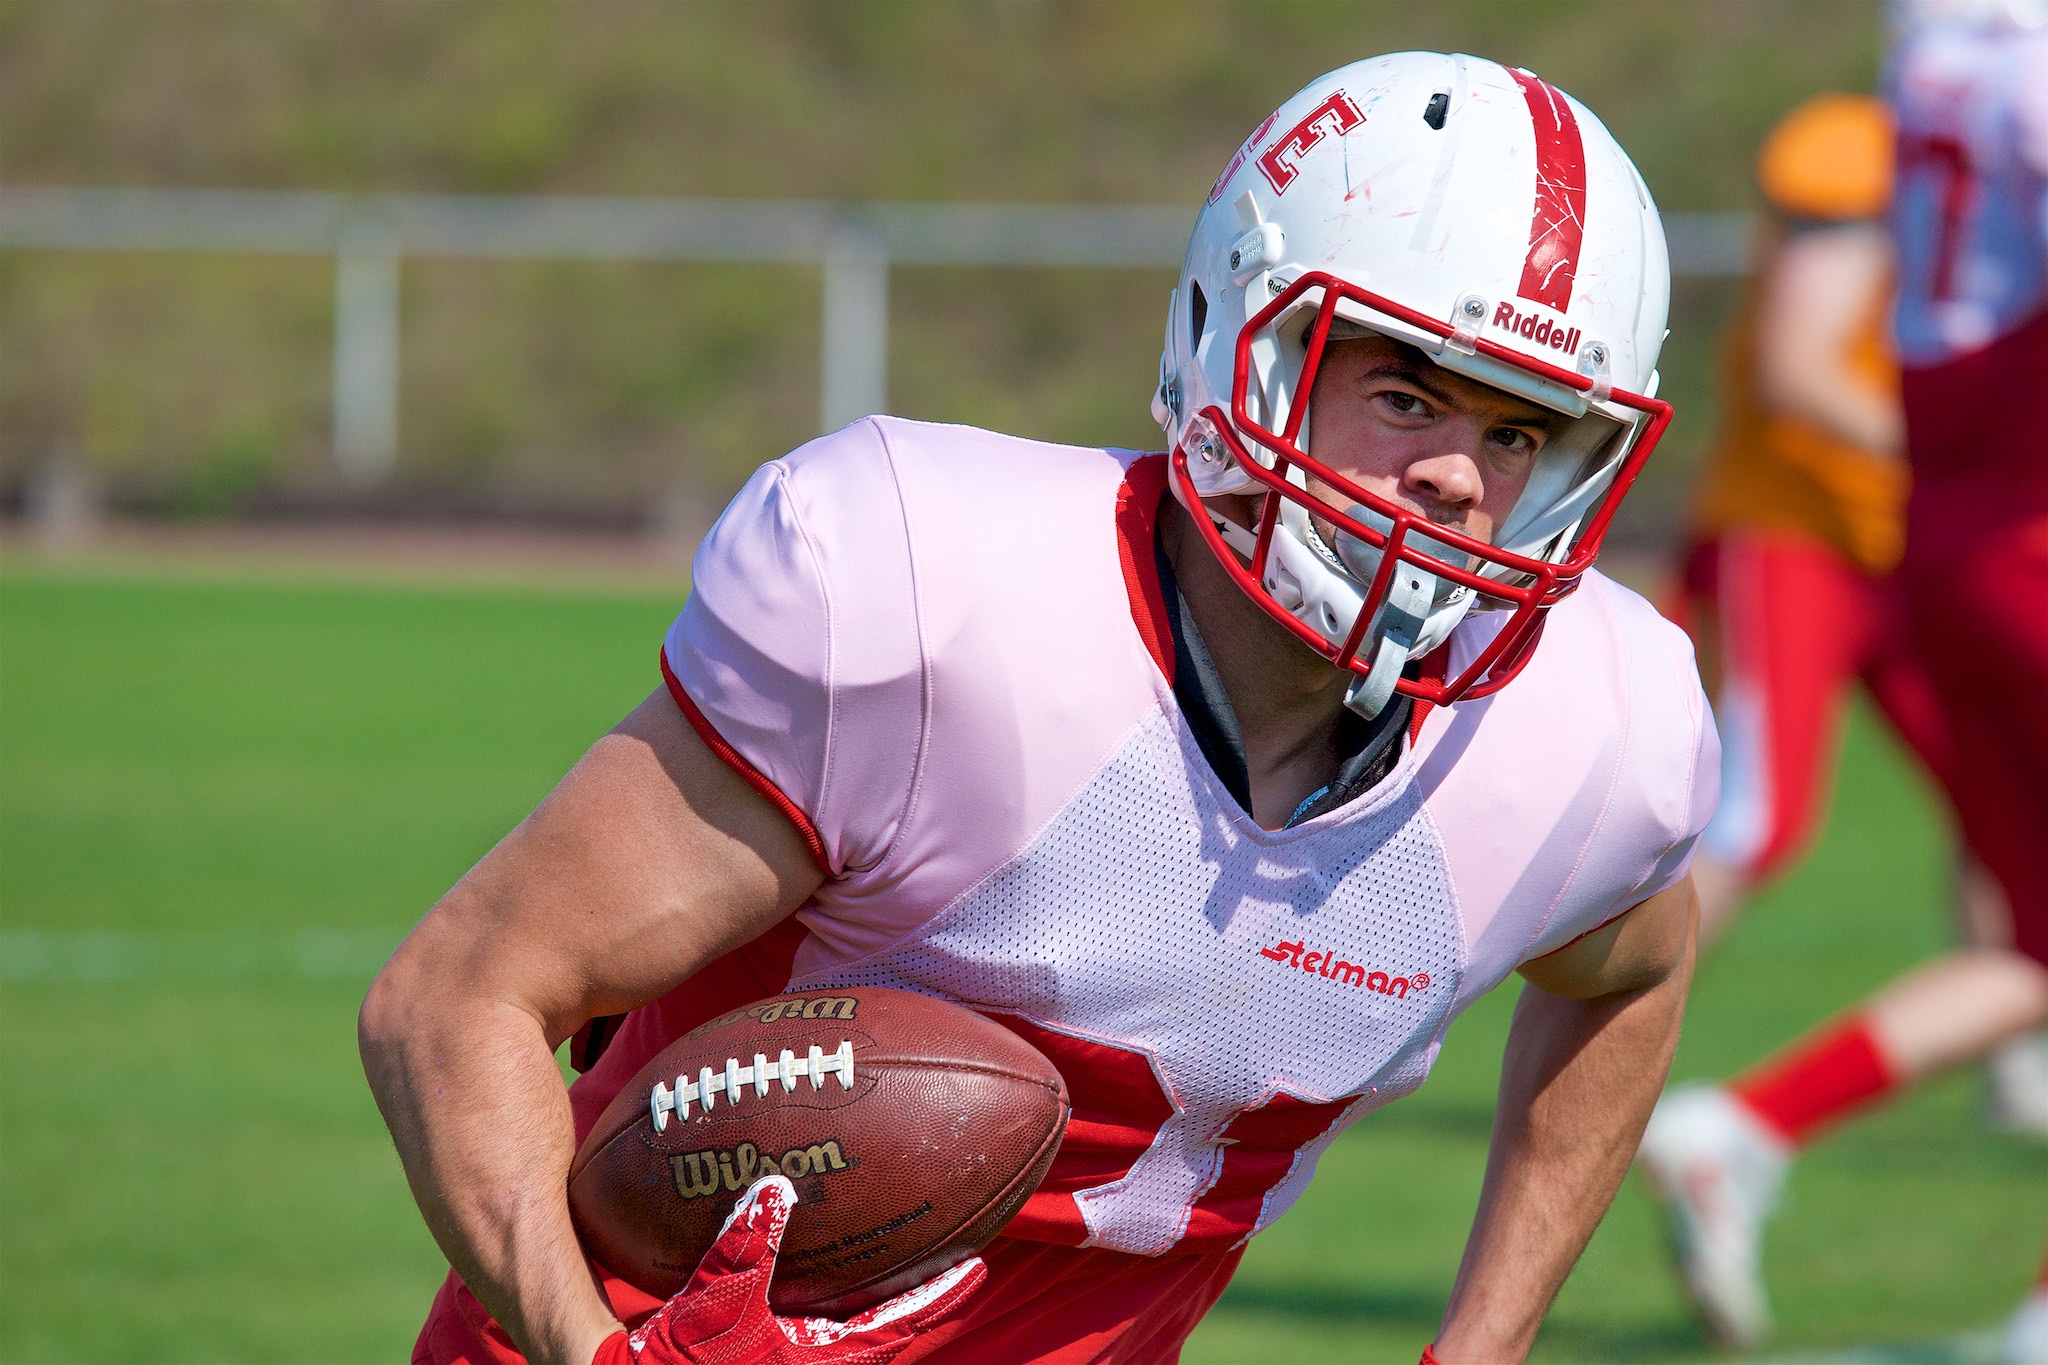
(1516, 441)
(1403, 402)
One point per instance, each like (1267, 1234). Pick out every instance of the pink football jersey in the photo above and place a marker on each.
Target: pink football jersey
(945, 652)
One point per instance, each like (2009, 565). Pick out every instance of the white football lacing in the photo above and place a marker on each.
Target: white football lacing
(788, 1069)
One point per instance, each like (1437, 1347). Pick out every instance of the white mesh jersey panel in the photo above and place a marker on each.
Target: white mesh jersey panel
(1151, 913)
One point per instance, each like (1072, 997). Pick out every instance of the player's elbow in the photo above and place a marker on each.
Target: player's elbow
(388, 1018)
(438, 992)
(401, 1009)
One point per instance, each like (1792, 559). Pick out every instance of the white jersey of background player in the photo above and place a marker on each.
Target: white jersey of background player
(1968, 86)
(1044, 730)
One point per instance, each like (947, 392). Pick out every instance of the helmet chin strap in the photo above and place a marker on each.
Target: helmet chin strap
(1396, 631)
(1397, 626)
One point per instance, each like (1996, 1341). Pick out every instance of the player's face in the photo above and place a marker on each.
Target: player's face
(1455, 450)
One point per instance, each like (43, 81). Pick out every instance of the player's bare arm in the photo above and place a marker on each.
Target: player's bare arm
(1822, 289)
(1592, 1040)
(651, 858)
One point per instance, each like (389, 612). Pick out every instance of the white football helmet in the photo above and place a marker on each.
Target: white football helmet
(1486, 219)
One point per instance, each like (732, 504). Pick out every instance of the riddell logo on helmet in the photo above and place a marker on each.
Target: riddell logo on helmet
(1333, 968)
(1538, 329)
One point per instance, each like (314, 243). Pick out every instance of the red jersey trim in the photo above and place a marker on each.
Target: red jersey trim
(1431, 670)
(734, 759)
(1610, 920)
(1137, 527)
(1119, 1102)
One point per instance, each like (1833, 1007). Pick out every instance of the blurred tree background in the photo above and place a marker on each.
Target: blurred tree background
(606, 392)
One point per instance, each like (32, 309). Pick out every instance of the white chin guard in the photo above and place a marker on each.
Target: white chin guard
(1325, 590)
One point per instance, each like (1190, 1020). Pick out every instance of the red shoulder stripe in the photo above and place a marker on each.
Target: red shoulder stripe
(1611, 919)
(734, 759)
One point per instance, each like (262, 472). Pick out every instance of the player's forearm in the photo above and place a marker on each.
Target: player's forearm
(1817, 303)
(1577, 1085)
(1847, 409)
(482, 1124)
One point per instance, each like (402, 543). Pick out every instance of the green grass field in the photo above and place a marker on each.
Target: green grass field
(222, 802)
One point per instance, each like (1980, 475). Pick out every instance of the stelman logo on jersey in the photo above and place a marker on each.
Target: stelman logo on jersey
(1329, 966)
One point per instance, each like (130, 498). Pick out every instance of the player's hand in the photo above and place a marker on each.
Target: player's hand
(722, 1316)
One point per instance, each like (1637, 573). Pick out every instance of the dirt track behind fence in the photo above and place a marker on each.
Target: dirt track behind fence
(429, 554)
(402, 553)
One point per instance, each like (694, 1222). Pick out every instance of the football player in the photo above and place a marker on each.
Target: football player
(1174, 763)
(1797, 521)
(1969, 88)
(1799, 512)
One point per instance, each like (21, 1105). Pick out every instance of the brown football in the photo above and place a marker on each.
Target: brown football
(912, 1128)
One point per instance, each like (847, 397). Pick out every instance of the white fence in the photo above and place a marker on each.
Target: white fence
(854, 245)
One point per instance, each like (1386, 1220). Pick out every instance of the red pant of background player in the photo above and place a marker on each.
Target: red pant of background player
(1980, 629)
(1784, 625)
(1976, 579)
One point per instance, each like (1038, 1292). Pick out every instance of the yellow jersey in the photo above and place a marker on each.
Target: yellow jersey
(1779, 471)
(1828, 161)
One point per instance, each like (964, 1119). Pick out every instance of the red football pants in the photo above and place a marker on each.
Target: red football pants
(1979, 626)
(1042, 1304)
(1788, 625)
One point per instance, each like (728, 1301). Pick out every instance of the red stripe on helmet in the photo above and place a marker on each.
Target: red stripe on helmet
(1557, 230)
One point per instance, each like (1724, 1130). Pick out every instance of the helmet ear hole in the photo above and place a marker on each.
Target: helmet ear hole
(1198, 315)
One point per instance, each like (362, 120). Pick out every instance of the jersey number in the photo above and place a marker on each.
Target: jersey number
(1119, 1106)
(1950, 160)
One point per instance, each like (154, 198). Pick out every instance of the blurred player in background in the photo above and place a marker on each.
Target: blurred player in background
(1800, 513)
(1967, 629)
(1168, 760)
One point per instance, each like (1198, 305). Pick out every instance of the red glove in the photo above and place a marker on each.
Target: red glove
(722, 1316)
